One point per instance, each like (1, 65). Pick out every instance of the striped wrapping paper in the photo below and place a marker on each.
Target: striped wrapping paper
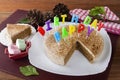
(109, 26)
(83, 13)
(112, 27)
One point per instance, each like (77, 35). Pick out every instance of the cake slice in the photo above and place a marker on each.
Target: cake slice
(90, 47)
(15, 31)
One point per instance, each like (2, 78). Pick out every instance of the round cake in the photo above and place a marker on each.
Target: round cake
(60, 52)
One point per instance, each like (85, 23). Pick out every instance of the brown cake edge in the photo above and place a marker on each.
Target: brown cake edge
(21, 35)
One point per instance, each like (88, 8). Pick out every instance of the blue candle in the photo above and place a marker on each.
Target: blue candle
(57, 36)
(74, 18)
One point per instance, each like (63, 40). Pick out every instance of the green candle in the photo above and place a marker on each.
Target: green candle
(64, 32)
(87, 20)
(56, 21)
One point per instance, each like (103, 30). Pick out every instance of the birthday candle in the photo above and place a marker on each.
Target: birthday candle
(89, 31)
(63, 18)
(81, 27)
(87, 20)
(100, 25)
(94, 23)
(48, 25)
(74, 18)
(72, 29)
(41, 30)
(57, 36)
(56, 21)
(64, 32)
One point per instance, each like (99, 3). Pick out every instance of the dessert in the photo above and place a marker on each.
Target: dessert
(60, 53)
(15, 31)
(13, 49)
(18, 50)
(21, 44)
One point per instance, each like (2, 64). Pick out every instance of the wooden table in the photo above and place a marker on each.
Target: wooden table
(114, 72)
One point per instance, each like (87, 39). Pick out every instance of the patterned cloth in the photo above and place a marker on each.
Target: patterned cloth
(109, 26)
(80, 12)
(112, 27)
(83, 13)
(110, 15)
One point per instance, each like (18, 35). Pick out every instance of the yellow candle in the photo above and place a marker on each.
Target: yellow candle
(72, 29)
(94, 23)
(63, 18)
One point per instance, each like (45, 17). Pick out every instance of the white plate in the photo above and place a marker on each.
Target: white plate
(78, 65)
(6, 41)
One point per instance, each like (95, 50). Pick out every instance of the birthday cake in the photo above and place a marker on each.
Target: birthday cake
(60, 52)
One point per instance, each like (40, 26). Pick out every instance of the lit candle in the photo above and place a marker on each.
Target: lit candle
(63, 18)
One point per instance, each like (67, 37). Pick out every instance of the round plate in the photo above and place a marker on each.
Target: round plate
(6, 41)
(78, 65)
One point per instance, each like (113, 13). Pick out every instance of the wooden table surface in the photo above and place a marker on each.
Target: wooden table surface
(6, 10)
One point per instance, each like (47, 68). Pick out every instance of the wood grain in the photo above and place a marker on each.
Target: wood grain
(5, 76)
(45, 5)
(7, 7)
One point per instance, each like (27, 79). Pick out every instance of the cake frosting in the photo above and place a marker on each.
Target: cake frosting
(61, 52)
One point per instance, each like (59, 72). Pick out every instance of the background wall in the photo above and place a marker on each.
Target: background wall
(12, 5)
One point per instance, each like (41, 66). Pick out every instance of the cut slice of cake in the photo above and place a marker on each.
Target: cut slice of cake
(90, 47)
(17, 31)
